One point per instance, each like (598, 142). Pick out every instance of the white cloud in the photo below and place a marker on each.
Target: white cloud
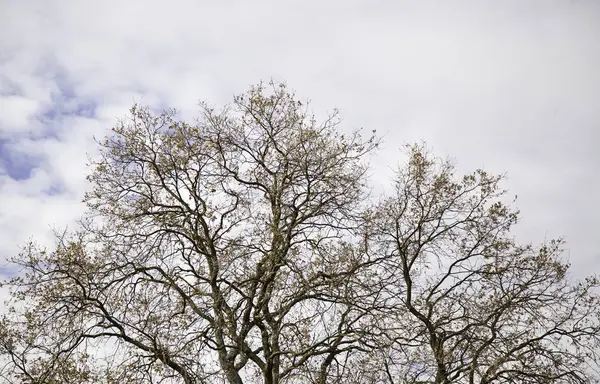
(16, 111)
(510, 86)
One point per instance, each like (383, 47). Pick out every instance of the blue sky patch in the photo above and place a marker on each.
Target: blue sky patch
(17, 165)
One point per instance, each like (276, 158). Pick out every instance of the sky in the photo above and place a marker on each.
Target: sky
(510, 86)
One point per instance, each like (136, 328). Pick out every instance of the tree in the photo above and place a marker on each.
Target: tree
(245, 248)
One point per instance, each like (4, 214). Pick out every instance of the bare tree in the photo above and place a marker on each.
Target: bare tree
(470, 304)
(244, 248)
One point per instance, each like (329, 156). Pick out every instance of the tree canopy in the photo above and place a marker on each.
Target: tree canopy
(246, 247)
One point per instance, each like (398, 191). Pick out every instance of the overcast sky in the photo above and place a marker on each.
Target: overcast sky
(510, 86)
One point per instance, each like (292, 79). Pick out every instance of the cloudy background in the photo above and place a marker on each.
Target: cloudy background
(511, 86)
